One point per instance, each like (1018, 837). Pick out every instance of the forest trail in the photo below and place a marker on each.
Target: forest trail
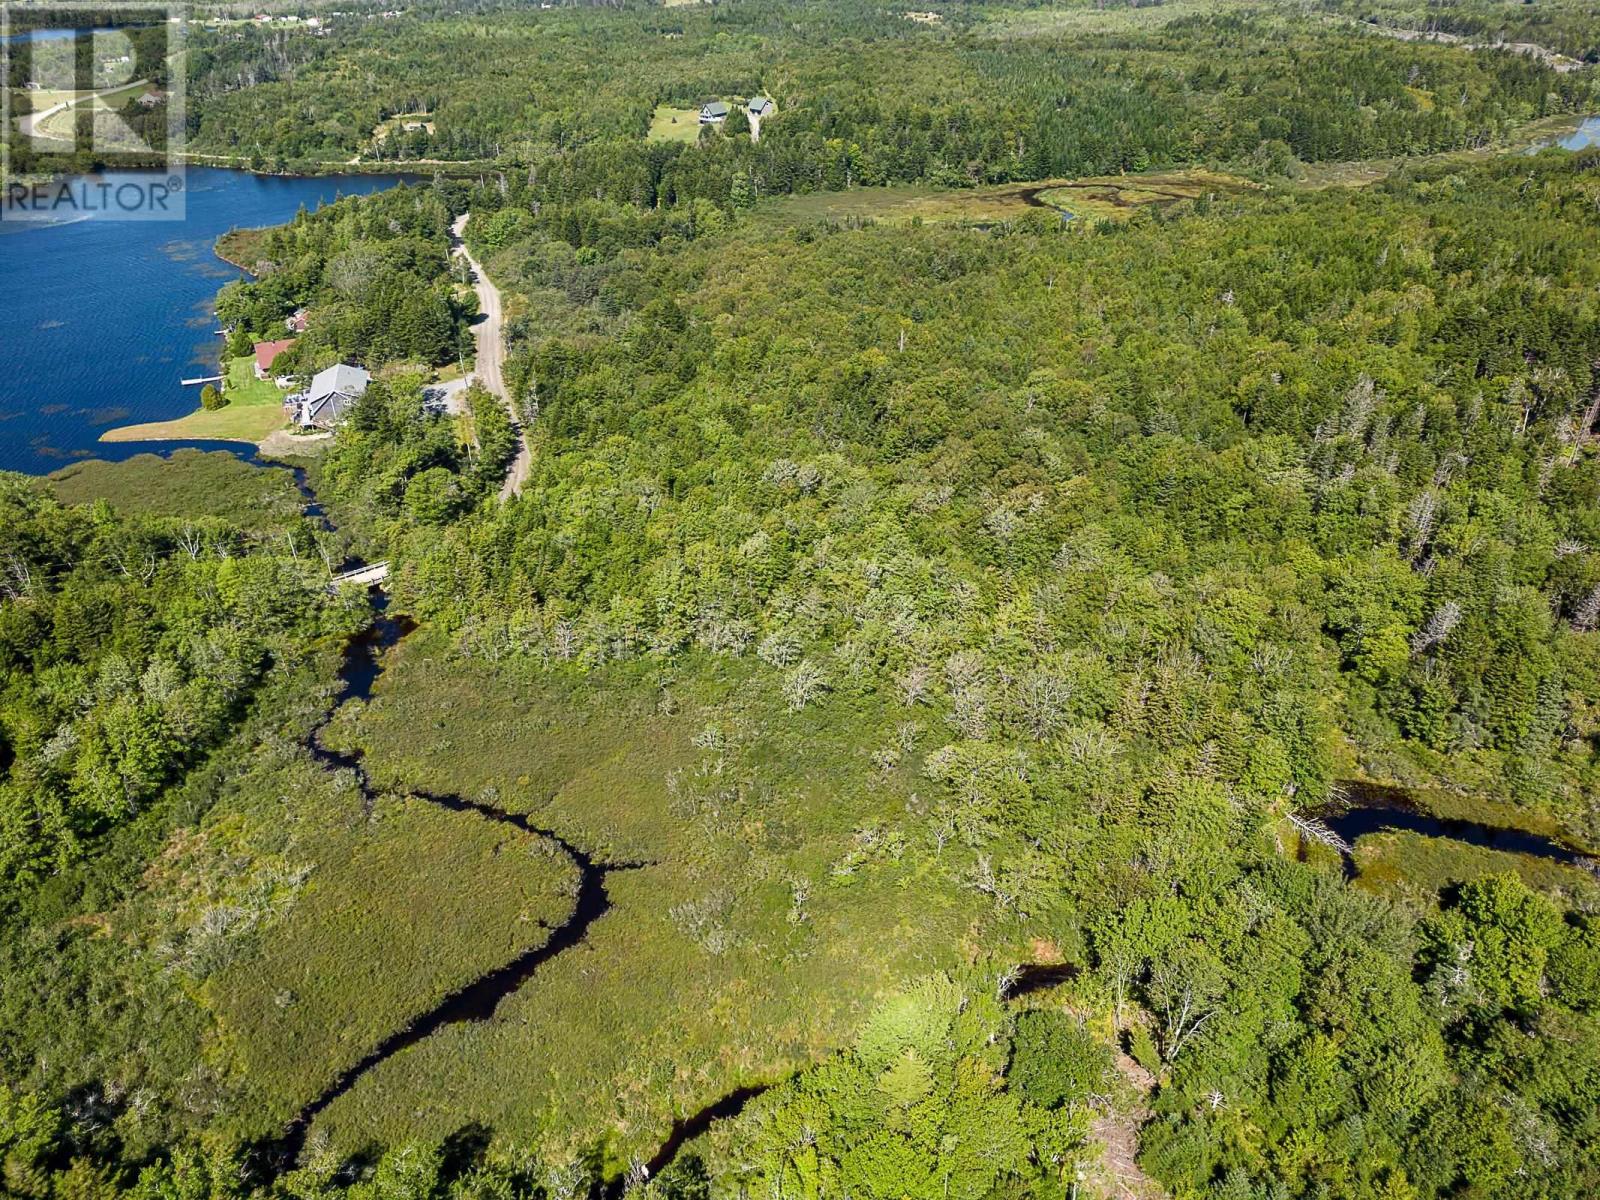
(490, 369)
(1116, 1174)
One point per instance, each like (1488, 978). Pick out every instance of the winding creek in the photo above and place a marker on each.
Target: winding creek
(361, 668)
(57, 413)
(1370, 808)
(480, 999)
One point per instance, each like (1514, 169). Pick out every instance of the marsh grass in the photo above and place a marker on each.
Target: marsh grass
(190, 483)
(781, 895)
(1419, 869)
(1113, 198)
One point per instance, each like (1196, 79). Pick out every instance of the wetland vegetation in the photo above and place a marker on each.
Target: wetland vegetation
(873, 754)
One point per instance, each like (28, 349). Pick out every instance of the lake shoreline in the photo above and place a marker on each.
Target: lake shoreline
(104, 382)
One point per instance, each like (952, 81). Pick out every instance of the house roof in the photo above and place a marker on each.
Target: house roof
(266, 352)
(325, 410)
(715, 108)
(760, 105)
(341, 378)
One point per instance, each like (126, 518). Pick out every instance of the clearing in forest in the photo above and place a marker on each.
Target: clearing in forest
(668, 124)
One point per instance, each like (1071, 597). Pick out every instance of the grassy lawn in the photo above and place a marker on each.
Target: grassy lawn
(779, 901)
(231, 424)
(254, 409)
(61, 124)
(188, 484)
(241, 387)
(668, 124)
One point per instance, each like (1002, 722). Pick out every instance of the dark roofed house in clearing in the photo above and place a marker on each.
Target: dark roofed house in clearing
(755, 109)
(332, 394)
(713, 112)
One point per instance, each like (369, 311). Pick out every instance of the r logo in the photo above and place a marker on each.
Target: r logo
(76, 96)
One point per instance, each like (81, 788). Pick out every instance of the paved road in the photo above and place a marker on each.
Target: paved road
(492, 357)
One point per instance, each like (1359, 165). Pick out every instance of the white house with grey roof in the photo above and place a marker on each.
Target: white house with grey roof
(332, 394)
(713, 112)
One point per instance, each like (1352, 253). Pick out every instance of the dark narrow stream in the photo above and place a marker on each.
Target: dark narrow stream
(686, 1129)
(481, 998)
(1374, 808)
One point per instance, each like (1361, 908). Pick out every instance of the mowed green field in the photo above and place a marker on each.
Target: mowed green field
(779, 898)
(254, 409)
(668, 124)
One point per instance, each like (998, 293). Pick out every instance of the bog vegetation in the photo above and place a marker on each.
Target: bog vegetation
(936, 624)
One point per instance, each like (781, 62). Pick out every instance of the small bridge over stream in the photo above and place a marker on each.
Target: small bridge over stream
(370, 575)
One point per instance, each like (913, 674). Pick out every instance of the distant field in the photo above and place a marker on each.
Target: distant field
(669, 124)
(1110, 198)
(191, 483)
(1054, 21)
(61, 124)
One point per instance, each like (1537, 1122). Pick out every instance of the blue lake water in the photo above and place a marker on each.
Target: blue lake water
(1587, 134)
(49, 35)
(100, 319)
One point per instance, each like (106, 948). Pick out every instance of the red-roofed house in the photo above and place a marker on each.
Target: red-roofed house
(266, 352)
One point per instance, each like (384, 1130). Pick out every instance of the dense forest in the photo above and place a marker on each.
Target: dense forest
(375, 280)
(885, 748)
(864, 96)
(1566, 29)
